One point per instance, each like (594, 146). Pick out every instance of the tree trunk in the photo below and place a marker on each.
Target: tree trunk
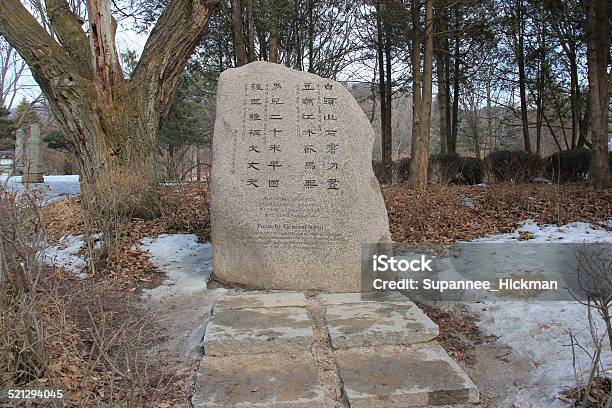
(452, 145)
(419, 165)
(251, 28)
(382, 93)
(311, 37)
(598, 42)
(442, 71)
(416, 80)
(274, 32)
(241, 54)
(442, 102)
(387, 142)
(520, 60)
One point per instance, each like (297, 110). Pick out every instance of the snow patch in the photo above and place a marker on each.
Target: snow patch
(66, 255)
(54, 188)
(539, 330)
(575, 232)
(186, 262)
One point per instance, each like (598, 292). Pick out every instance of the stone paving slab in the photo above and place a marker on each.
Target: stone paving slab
(376, 324)
(259, 330)
(274, 381)
(422, 375)
(328, 299)
(257, 300)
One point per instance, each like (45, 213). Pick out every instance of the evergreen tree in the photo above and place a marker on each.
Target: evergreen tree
(7, 129)
(26, 115)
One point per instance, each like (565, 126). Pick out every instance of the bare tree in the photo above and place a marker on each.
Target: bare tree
(598, 38)
(419, 163)
(112, 121)
(12, 69)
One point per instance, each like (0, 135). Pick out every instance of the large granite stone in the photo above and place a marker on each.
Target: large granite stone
(258, 330)
(417, 377)
(294, 196)
(265, 381)
(19, 150)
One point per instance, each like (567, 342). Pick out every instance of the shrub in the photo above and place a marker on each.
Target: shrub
(569, 165)
(403, 169)
(444, 168)
(471, 171)
(517, 166)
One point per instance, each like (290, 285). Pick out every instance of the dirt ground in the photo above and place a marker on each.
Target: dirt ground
(167, 345)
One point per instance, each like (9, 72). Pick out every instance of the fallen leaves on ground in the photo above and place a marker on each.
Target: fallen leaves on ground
(444, 214)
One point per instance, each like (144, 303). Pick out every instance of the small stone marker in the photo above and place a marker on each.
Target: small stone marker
(32, 158)
(19, 150)
(294, 196)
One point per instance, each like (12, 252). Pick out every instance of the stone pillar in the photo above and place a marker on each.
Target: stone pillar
(32, 163)
(19, 150)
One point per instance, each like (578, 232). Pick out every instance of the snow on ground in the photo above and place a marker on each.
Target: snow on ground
(66, 255)
(54, 188)
(538, 330)
(186, 262)
(575, 232)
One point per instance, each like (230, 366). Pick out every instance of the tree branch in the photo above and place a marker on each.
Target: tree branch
(106, 70)
(50, 65)
(70, 33)
(171, 43)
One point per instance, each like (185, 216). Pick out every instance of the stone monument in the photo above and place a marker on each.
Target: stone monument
(294, 196)
(32, 169)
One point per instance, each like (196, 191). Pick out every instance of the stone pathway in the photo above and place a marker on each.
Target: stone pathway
(291, 350)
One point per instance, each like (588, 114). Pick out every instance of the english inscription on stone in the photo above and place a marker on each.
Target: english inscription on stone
(294, 196)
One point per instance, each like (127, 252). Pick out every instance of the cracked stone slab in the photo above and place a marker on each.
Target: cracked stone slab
(275, 381)
(376, 324)
(259, 330)
(257, 300)
(419, 376)
(328, 299)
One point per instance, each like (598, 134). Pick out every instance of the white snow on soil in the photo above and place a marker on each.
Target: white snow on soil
(54, 188)
(66, 255)
(186, 262)
(575, 232)
(539, 330)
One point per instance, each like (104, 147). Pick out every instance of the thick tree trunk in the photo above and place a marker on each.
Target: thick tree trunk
(112, 122)
(419, 164)
(598, 40)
